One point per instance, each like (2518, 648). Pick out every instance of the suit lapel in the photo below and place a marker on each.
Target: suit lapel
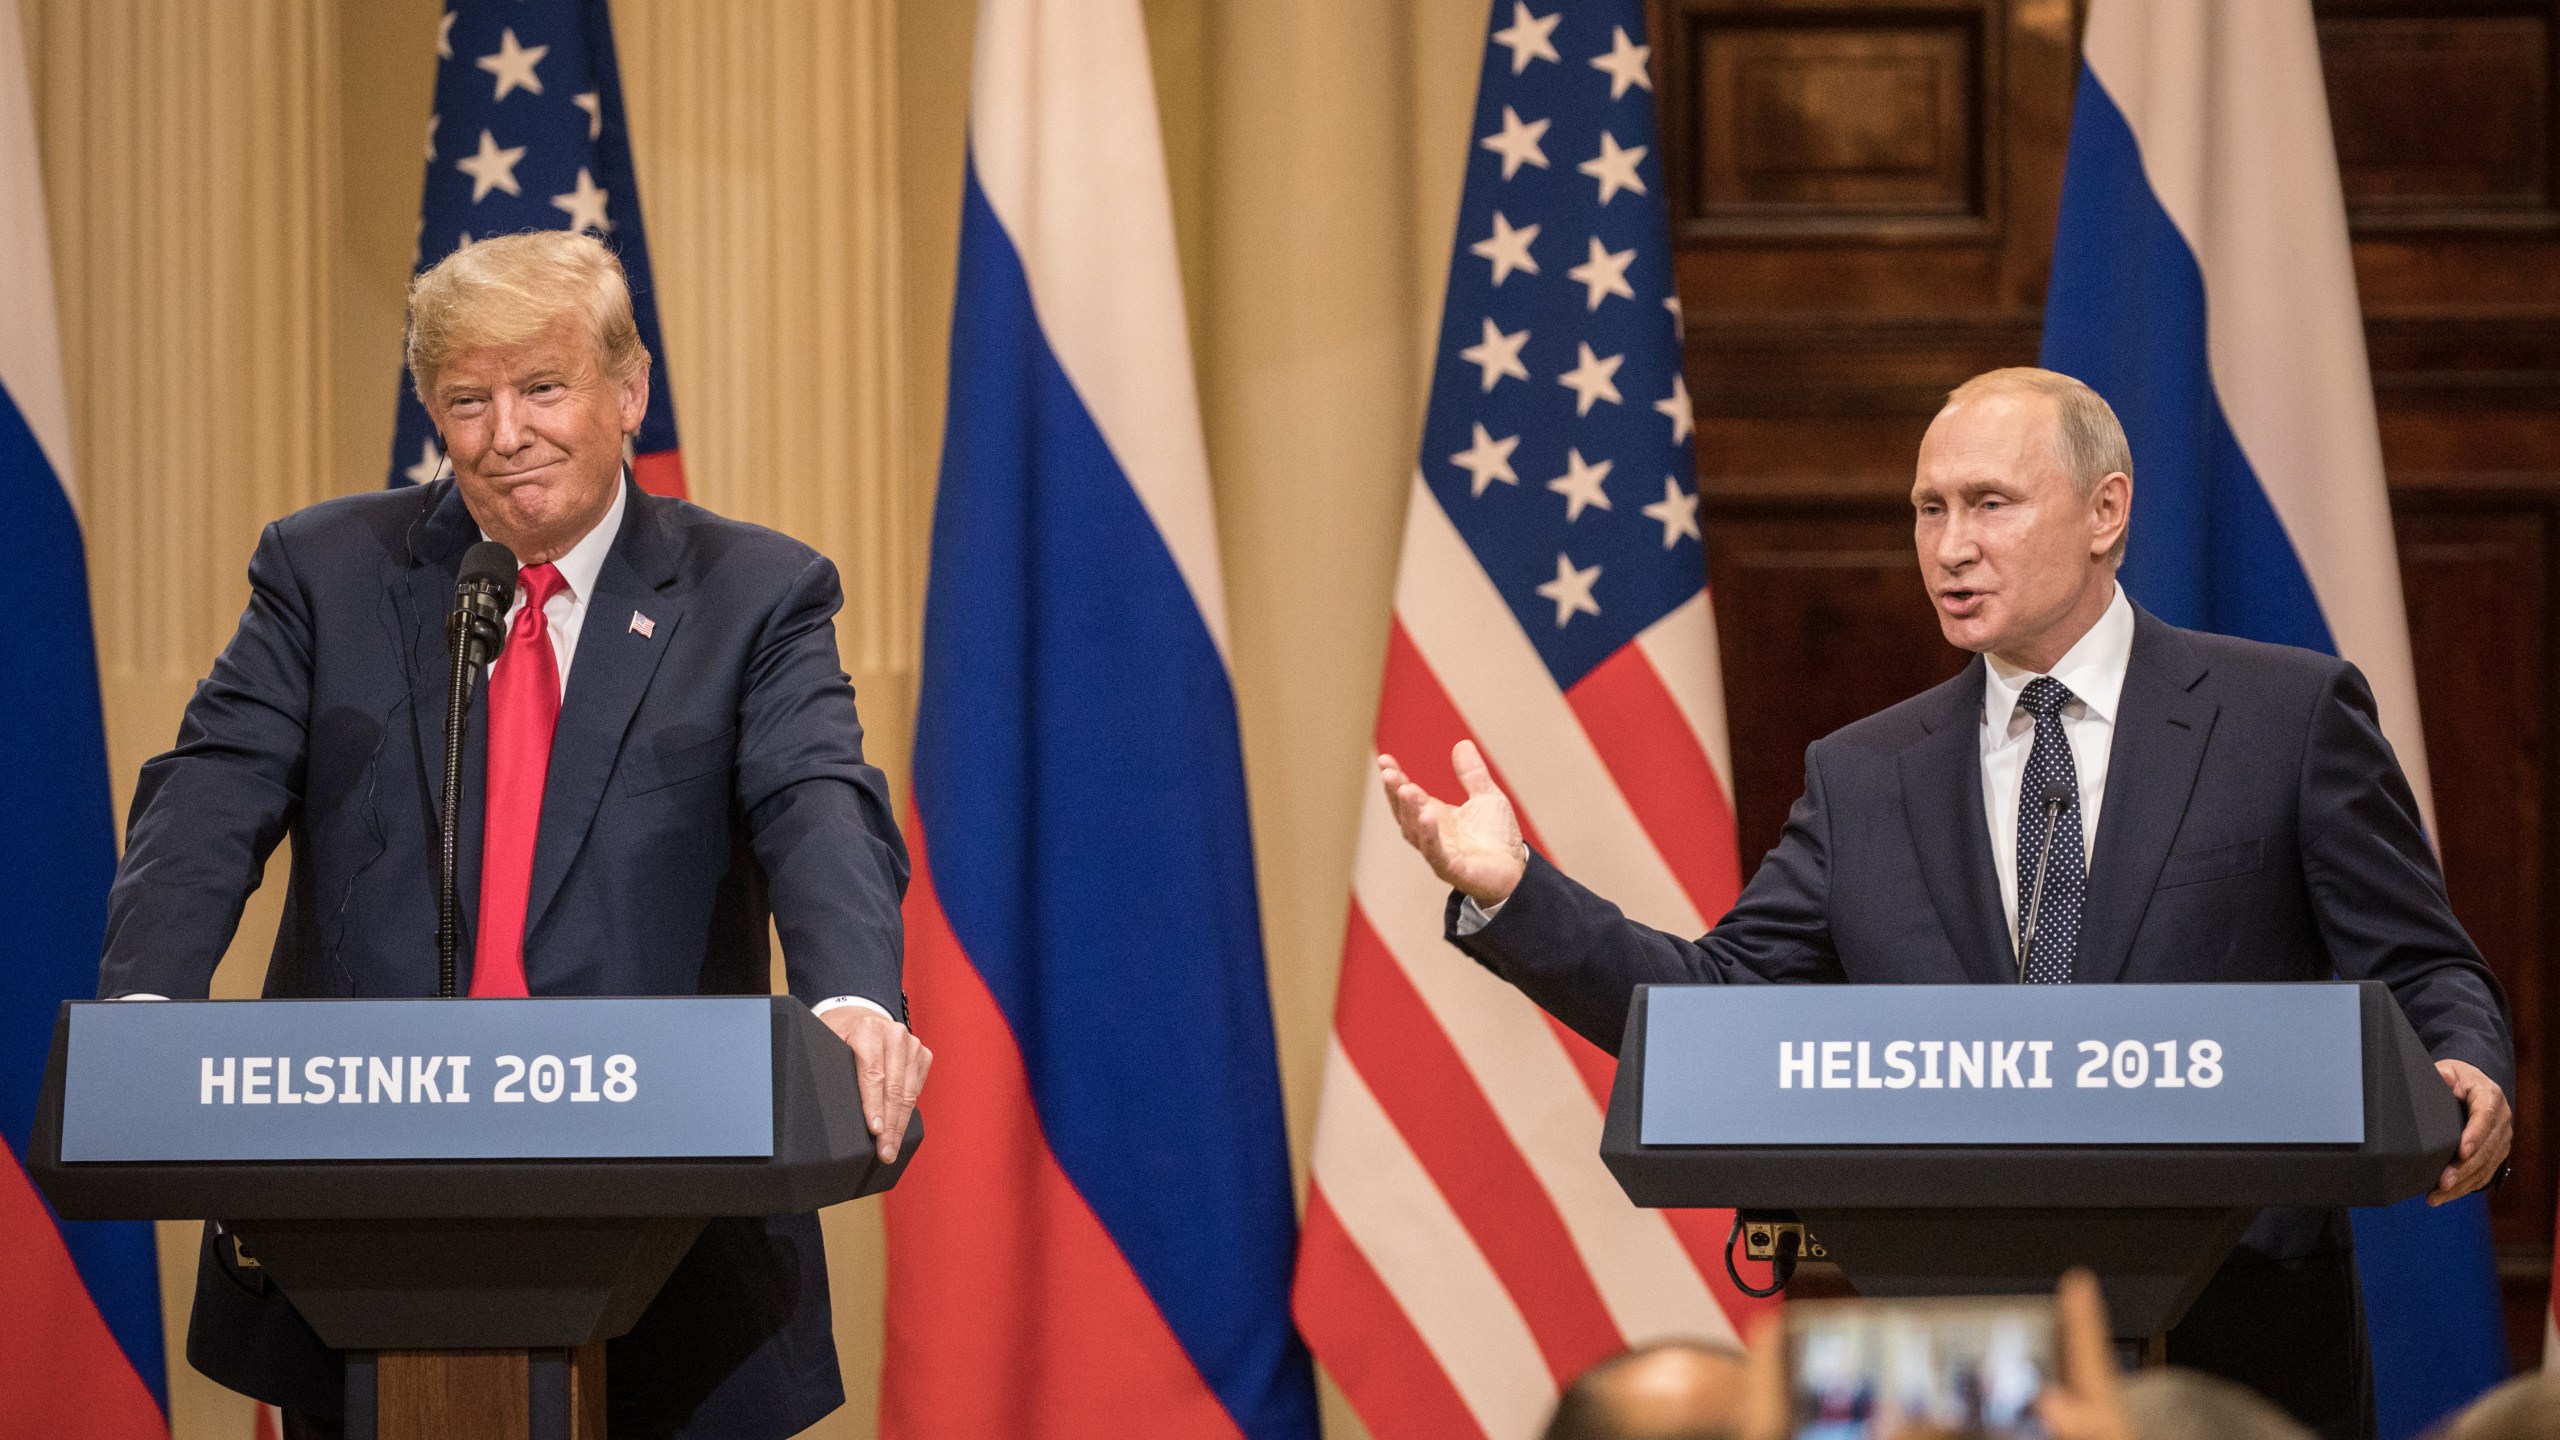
(607, 676)
(2162, 726)
(442, 531)
(1942, 801)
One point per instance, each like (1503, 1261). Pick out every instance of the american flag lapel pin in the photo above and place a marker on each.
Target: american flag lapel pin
(642, 625)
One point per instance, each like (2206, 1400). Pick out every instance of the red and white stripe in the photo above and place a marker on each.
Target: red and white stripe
(1465, 1254)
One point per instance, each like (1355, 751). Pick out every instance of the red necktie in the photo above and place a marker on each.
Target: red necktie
(524, 708)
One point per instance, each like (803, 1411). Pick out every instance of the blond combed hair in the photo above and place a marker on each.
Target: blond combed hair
(2088, 440)
(509, 289)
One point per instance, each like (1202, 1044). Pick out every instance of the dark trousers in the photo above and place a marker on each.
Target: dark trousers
(2292, 1330)
(728, 1349)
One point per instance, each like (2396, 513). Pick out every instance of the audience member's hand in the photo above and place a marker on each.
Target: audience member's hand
(2488, 1128)
(889, 1063)
(2086, 1401)
(1475, 848)
(1765, 1410)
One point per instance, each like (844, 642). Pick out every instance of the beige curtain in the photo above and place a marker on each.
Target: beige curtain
(233, 190)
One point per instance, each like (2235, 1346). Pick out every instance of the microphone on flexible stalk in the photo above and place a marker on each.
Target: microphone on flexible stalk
(473, 633)
(2056, 799)
(486, 587)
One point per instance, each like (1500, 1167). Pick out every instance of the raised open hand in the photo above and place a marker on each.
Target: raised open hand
(1474, 846)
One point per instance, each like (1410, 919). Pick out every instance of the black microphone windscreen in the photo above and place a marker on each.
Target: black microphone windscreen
(2057, 794)
(489, 563)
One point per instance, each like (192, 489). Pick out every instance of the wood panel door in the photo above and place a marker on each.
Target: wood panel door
(1863, 197)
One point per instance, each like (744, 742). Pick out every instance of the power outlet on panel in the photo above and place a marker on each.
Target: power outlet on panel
(1760, 1239)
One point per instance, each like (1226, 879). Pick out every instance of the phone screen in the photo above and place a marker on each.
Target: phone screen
(1859, 1368)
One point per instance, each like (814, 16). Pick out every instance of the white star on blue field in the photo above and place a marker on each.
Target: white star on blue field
(1559, 432)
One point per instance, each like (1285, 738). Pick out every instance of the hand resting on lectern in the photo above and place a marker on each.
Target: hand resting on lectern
(890, 1064)
(2488, 1128)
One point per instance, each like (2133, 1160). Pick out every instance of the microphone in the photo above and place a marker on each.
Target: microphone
(473, 633)
(481, 596)
(2056, 799)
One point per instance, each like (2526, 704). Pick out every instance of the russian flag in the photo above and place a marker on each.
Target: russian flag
(80, 1307)
(2202, 283)
(1101, 1244)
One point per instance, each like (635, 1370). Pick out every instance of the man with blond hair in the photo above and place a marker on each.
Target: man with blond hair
(667, 761)
(2206, 808)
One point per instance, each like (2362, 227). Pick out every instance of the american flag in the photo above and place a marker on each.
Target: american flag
(528, 134)
(1464, 1252)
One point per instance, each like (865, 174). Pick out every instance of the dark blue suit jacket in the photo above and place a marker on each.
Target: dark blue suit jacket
(2256, 827)
(704, 778)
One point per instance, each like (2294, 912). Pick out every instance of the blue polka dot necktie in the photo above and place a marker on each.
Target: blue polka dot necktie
(2055, 940)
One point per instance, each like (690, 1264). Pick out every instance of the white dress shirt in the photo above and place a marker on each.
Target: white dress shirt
(2093, 671)
(567, 613)
(578, 569)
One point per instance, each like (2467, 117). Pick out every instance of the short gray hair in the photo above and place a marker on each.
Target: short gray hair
(2175, 1404)
(1594, 1407)
(2088, 440)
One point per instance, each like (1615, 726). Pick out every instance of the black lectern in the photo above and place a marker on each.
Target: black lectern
(2133, 1129)
(468, 1197)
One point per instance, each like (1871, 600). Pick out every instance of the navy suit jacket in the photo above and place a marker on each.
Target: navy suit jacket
(705, 777)
(2256, 827)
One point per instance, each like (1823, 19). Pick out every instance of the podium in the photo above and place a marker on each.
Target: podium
(467, 1196)
(2133, 1129)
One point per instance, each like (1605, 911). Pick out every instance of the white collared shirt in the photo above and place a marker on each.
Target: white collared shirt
(2093, 671)
(567, 610)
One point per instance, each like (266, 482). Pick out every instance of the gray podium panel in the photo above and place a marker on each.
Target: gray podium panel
(1989, 1210)
(544, 1222)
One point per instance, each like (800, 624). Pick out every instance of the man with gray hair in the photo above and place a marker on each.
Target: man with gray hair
(2217, 809)
(2177, 1404)
(1662, 1390)
(667, 763)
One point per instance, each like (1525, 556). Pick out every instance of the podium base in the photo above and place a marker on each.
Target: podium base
(2151, 1263)
(532, 1284)
(413, 1305)
(476, 1394)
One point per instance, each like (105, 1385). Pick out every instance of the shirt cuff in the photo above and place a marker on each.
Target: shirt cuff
(1473, 917)
(841, 1001)
(138, 995)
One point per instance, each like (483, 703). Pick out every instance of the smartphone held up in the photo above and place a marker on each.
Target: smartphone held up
(1905, 1368)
